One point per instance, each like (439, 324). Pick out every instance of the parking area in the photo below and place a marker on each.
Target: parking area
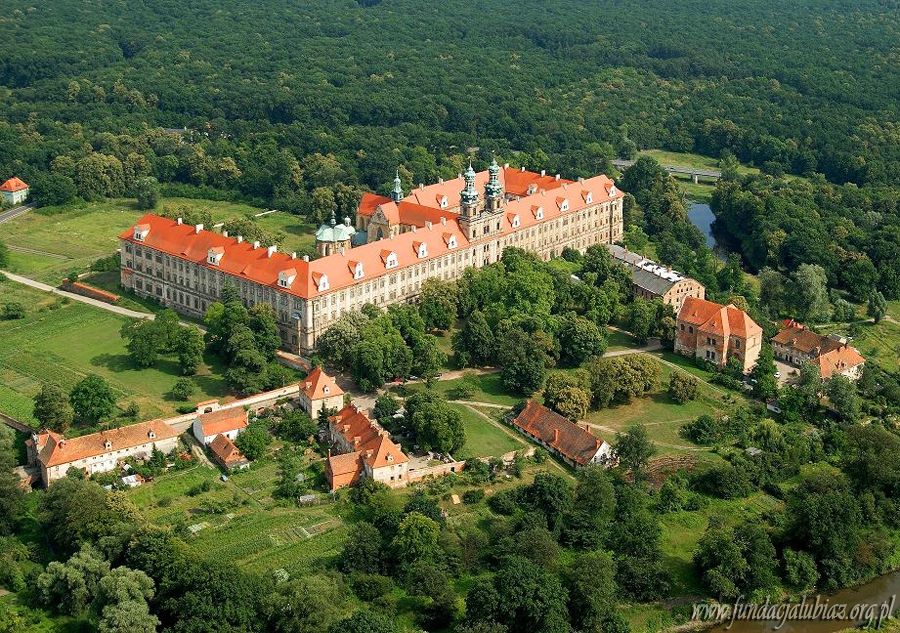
(786, 373)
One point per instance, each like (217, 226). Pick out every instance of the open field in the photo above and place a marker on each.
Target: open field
(618, 340)
(63, 342)
(490, 389)
(48, 243)
(484, 439)
(660, 415)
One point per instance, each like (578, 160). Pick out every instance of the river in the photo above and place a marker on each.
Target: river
(880, 591)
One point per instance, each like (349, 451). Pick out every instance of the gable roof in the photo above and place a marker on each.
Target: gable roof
(367, 438)
(54, 449)
(318, 385)
(714, 318)
(14, 184)
(226, 451)
(222, 421)
(383, 452)
(344, 463)
(554, 430)
(803, 340)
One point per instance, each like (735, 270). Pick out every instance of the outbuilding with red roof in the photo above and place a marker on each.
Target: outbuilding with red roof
(14, 191)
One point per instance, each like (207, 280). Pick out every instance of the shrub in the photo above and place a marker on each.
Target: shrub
(471, 497)
(183, 389)
(683, 387)
(370, 586)
(504, 502)
(203, 486)
(13, 310)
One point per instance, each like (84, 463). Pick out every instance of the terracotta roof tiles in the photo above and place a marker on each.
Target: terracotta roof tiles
(222, 421)
(54, 449)
(14, 184)
(574, 442)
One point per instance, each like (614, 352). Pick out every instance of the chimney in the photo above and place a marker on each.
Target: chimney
(294, 255)
(557, 176)
(256, 244)
(523, 168)
(443, 220)
(427, 224)
(421, 185)
(224, 233)
(306, 258)
(271, 250)
(240, 239)
(198, 228)
(543, 172)
(459, 175)
(441, 181)
(179, 221)
(580, 179)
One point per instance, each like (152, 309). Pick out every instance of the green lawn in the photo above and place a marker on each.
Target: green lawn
(661, 416)
(48, 243)
(490, 389)
(484, 439)
(64, 341)
(618, 340)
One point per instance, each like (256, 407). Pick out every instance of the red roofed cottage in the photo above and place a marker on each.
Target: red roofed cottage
(14, 191)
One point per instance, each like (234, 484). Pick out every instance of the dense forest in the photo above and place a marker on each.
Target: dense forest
(301, 104)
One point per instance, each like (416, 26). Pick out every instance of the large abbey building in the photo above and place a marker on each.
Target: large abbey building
(399, 241)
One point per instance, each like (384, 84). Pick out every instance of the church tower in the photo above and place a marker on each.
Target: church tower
(397, 192)
(493, 190)
(468, 197)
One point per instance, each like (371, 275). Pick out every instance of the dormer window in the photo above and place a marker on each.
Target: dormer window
(442, 201)
(421, 249)
(389, 258)
(140, 232)
(563, 204)
(214, 255)
(532, 189)
(321, 281)
(450, 240)
(390, 457)
(357, 269)
(152, 434)
(612, 190)
(588, 197)
(538, 212)
(326, 389)
(107, 445)
(514, 221)
(286, 277)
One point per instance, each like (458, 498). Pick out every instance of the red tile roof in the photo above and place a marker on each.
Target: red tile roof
(259, 265)
(367, 438)
(838, 361)
(223, 420)
(344, 464)
(570, 440)
(14, 184)
(318, 385)
(717, 319)
(798, 337)
(53, 449)
(226, 452)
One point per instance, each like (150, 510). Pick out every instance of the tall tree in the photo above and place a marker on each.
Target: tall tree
(92, 399)
(52, 408)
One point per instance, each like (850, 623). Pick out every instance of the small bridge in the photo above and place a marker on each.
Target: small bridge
(695, 173)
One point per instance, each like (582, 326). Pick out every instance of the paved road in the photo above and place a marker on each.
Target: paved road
(37, 285)
(15, 212)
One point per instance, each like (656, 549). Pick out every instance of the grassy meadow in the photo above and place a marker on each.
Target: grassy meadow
(63, 341)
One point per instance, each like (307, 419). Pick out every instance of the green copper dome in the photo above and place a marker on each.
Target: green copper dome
(334, 232)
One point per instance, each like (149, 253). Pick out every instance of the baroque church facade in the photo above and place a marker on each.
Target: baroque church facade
(398, 241)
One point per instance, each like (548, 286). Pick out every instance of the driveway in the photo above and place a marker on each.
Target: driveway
(15, 212)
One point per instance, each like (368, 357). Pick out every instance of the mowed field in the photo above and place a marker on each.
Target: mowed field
(48, 243)
(62, 342)
(485, 438)
(661, 416)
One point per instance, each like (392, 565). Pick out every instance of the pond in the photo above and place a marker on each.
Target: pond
(702, 217)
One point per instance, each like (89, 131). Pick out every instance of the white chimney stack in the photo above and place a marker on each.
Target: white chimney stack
(271, 250)
(198, 228)
(179, 221)
(557, 176)
(427, 224)
(444, 220)
(224, 233)
(306, 258)
(543, 172)
(294, 255)
(256, 244)
(240, 239)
